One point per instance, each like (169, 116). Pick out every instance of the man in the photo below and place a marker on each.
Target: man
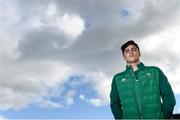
(140, 92)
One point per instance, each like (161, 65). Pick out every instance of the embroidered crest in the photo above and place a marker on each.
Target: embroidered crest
(148, 75)
(124, 79)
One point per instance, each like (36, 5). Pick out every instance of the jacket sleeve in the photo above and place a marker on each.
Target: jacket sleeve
(168, 98)
(115, 102)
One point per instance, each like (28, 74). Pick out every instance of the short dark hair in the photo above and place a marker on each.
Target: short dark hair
(130, 42)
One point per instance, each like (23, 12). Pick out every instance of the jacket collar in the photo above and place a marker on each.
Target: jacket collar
(140, 66)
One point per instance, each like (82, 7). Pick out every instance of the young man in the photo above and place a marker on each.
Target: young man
(140, 92)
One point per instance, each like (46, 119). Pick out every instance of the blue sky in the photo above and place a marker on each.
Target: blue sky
(80, 110)
(58, 57)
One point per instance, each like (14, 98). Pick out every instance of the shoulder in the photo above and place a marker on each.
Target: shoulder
(152, 68)
(119, 75)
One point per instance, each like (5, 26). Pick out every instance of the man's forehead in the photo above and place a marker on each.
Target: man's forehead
(130, 46)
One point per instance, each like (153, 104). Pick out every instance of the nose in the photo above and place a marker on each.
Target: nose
(130, 52)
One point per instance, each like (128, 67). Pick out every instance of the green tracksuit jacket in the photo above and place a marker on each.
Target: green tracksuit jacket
(145, 93)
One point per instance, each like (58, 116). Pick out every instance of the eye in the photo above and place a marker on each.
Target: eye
(127, 51)
(134, 49)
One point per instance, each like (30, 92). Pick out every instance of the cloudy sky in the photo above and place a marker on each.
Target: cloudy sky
(58, 57)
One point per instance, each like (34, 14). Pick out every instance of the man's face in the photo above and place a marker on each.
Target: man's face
(131, 54)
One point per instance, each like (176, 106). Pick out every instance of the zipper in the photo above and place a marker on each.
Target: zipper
(138, 94)
(138, 97)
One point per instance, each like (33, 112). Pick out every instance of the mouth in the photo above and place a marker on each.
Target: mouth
(131, 56)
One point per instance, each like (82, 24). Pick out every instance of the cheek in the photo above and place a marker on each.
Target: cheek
(137, 54)
(128, 58)
(125, 56)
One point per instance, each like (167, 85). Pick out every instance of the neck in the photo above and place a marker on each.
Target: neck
(134, 65)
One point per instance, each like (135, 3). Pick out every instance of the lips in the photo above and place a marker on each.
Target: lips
(131, 56)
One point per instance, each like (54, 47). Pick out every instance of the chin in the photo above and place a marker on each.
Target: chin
(133, 61)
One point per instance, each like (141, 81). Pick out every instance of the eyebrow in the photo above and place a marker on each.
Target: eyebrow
(131, 48)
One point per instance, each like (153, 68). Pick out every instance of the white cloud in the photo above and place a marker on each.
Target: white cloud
(72, 25)
(69, 97)
(94, 101)
(162, 49)
(3, 118)
(30, 81)
(48, 103)
(34, 63)
(52, 10)
(101, 86)
(81, 97)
